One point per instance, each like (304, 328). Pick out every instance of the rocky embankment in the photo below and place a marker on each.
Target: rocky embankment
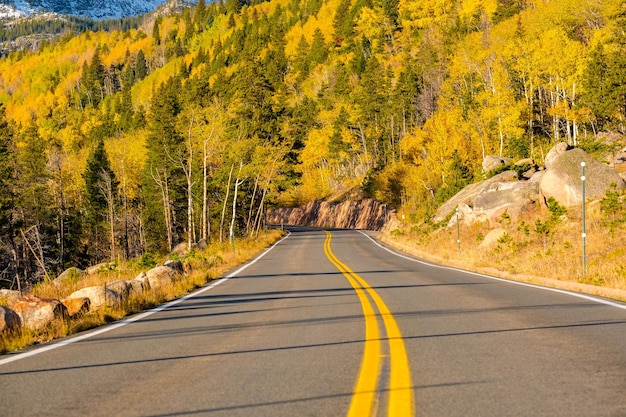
(35, 313)
(363, 214)
(514, 194)
(514, 191)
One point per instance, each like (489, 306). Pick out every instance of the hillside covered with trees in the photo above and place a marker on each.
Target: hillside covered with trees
(116, 144)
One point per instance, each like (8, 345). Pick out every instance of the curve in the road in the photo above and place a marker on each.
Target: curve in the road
(400, 402)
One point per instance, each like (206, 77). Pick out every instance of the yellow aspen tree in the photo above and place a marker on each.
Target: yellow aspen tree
(499, 107)
(561, 61)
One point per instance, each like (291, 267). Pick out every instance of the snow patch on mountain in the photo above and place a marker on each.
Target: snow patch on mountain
(94, 9)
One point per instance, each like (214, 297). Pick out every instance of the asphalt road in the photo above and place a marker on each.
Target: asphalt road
(331, 324)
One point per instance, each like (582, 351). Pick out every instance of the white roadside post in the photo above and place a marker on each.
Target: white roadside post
(584, 226)
(458, 230)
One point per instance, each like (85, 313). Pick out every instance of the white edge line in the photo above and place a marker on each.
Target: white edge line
(124, 322)
(523, 284)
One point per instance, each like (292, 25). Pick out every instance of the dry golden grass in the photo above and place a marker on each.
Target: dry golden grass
(206, 265)
(523, 255)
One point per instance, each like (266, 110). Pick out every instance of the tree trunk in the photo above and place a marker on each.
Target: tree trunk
(205, 193)
(125, 206)
(256, 184)
(165, 197)
(39, 258)
(230, 177)
(258, 219)
(238, 182)
(106, 189)
(168, 216)
(191, 235)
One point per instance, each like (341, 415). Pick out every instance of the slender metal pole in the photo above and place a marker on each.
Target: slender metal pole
(458, 230)
(584, 225)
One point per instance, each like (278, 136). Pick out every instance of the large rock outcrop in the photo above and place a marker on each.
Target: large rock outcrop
(362, 214)
(487, 200)
(560, 179)
(563, 179)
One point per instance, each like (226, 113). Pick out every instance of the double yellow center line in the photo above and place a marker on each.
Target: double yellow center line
(365, 398)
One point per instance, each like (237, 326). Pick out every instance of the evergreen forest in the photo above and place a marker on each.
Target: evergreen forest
(180, 128)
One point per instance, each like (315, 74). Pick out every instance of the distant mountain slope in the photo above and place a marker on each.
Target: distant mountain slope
(93, 9)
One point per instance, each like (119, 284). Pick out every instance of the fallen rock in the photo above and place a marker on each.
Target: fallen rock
(176, 266)
(98, 296)
(143, 278)
(139, 285)
(556, 151)
(179, 249)
(9, 320)
(532, 168)
(105, 266)
(72, 273)
(120, 287)
(494, 162)
(37, 313)
(136, 287)
(492, 238)
(563, 180)
(76, 307)
(161, 276)
(202, 244)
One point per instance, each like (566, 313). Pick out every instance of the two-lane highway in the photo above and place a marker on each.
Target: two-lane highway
(332, 324)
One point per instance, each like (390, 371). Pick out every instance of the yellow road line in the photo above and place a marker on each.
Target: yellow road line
(400, 387)
(400, 402)
(365, 389)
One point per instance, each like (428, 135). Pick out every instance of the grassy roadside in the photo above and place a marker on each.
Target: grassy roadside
(206, 265)
(524, 250)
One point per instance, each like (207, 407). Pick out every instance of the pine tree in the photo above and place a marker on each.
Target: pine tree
(35, 221)
(342, 23)
(141, 67)
(506, 9)
(595, 83)
(125, 109)
(319, 50)
(302, 64)
(92, 80)
(189, 29)
(6, 177)
(336, 145)
(163, 179)
(156, 31)
(200, 15)
(101, 191)
(127, 75)
(406, 97)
